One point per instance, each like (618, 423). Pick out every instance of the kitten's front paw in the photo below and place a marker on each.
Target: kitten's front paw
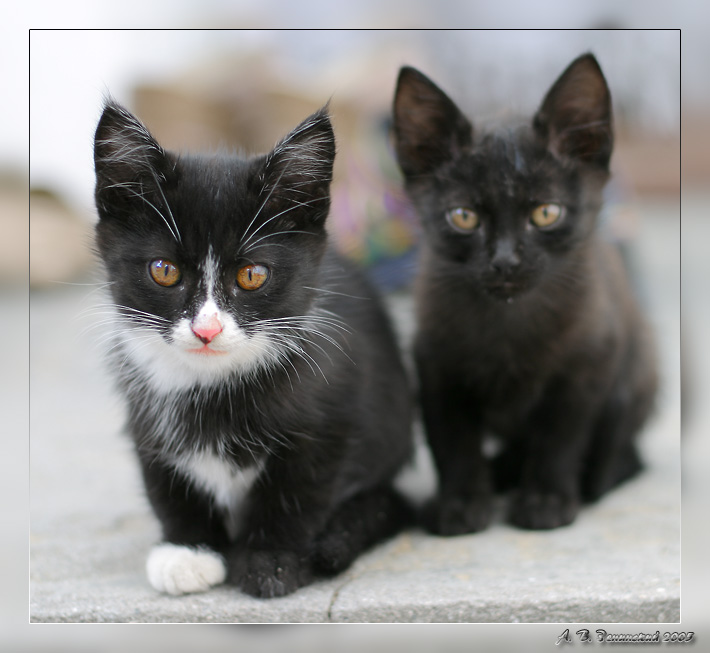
(268, 574)
(456, 516)
(540, 510)
(176, 569)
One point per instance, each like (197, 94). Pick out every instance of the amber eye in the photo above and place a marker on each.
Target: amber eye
(546, 215)
(164, 272)
(252, 277)
(462, 219)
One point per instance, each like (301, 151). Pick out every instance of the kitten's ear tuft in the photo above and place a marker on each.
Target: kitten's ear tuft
(299, 170)
(126, 155)
(429, 129)
(575, 116)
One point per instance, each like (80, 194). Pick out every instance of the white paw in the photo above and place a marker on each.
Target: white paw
(176, 569)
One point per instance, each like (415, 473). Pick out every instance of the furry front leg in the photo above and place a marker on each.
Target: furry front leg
(464, 502)
(542, 510)
(189, 558)
(554, 444)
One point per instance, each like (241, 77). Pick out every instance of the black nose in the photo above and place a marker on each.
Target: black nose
(505, 258)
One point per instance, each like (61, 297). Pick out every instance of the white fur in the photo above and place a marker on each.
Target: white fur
(227, 484)
(210, 268)
(224, 481)
(170, 367)
(173, 366)
(175, 569)
(207, 311)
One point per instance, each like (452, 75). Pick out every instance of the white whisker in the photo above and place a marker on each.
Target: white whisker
(334, 292)
(248, 237)
(263, 204)
(129, 187)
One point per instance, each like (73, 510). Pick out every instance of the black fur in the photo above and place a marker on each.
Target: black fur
(328, 419)
(530, 334)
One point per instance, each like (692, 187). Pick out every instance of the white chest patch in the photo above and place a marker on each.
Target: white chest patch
(227, 484)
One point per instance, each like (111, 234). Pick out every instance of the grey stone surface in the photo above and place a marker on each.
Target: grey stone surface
(91, 527)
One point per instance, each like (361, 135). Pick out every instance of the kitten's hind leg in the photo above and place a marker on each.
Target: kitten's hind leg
(604, 472)
(359, 523)
(613, 457)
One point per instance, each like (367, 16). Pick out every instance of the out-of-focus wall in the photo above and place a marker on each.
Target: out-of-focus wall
(201, 90)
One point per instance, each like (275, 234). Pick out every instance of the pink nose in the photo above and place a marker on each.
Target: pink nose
(207, 330)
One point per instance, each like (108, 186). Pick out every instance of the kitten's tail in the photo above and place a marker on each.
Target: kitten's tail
(359, 523)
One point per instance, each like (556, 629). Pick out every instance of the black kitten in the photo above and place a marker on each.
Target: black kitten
(526, 324)
(266, 397)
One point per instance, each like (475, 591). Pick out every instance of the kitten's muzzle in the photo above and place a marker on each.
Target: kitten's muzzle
(505, 278)
(505, 259)
(505, 290)
(507, 284)
(207, 329)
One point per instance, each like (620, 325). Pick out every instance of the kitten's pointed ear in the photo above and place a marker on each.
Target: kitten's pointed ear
(429, 129)
(127, 159)
(299, 170)
(575, 116)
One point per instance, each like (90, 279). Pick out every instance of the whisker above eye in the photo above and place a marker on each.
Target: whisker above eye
(245, 245)
(167, 206)
(255, 244)
(129, 187)
(334, 292)
(263, 204)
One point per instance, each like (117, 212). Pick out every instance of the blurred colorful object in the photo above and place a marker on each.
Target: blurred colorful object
(372, 221)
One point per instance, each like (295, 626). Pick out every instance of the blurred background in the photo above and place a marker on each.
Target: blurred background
(202, 89)
(209, 90)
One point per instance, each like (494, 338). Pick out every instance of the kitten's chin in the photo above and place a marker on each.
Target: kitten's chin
(206, 350)
(208, 364)
(507, 291)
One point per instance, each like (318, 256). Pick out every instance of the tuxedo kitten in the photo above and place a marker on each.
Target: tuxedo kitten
(527, 328)
(266, 397)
